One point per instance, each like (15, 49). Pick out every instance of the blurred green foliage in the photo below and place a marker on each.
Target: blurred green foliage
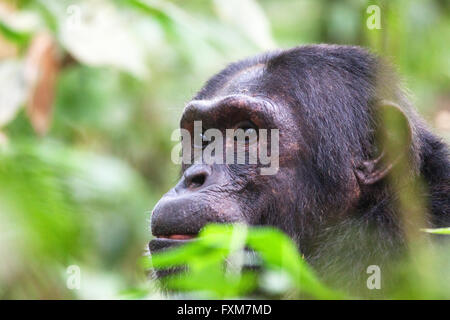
(204, 258)
(81, 194)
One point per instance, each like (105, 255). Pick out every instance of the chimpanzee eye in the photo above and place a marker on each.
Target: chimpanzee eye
(201, 141)
(250, 131)
(246, 125)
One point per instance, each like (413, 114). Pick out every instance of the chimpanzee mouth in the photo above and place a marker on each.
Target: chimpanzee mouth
(163, 242)
(177, 236)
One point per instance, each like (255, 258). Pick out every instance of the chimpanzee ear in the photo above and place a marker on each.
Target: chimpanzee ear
(393, 137)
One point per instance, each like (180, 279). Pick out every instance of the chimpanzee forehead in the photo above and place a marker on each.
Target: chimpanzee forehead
(245, 81)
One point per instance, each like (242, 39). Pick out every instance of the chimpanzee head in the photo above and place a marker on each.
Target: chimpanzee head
(324, 101)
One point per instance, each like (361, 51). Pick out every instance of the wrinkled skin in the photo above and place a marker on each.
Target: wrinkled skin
(324, 101)
(230, 193)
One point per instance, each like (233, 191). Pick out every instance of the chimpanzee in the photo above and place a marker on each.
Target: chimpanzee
(359, 171)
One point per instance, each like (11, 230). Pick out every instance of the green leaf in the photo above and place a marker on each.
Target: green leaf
(438, 231)
(15, 36)
(205, 256)
(277, 250)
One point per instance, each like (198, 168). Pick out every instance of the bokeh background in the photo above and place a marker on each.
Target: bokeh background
(90, 92)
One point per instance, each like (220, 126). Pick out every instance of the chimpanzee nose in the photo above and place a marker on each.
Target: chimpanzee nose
(196, 176)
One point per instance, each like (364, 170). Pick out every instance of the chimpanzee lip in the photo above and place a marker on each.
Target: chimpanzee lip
(177, 236)
(161, 242)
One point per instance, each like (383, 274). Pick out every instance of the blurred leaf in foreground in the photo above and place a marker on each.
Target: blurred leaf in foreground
(216, 262)
(438, 231)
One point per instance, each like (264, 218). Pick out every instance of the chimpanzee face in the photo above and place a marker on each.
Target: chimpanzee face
(221, 191)
(309, 112)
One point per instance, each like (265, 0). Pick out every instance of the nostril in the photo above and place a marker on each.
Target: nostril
(196, 177)
(196, 181)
